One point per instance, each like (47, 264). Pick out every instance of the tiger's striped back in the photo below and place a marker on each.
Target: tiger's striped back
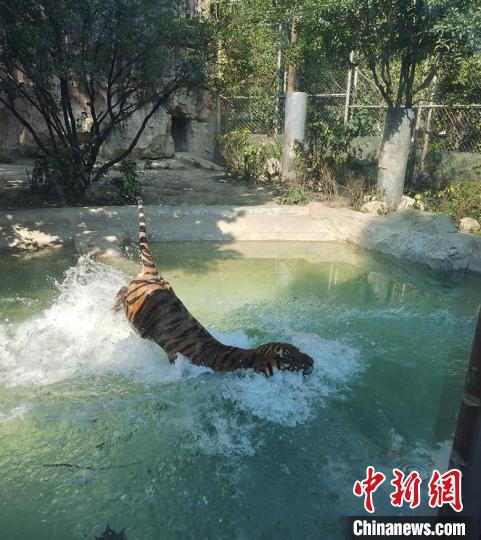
(155, 312)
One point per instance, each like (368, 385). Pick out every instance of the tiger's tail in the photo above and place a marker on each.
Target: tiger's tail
(146, 255)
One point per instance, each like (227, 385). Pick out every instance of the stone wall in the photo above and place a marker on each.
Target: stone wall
(448, 166)
(195, 112)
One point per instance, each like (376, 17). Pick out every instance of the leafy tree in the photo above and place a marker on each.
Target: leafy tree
(85, 67)
(403, 42)
(459, 81)
(248, 38)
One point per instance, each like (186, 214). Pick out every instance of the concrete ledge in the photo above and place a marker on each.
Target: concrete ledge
(409, 235)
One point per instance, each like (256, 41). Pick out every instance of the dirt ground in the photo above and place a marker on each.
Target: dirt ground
(176, 183)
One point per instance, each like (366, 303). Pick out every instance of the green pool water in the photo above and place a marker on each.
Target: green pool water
(97, 428)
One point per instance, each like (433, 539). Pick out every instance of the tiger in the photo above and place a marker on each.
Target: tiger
(156, 313)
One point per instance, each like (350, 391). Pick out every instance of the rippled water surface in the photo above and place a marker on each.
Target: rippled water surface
(97, 428)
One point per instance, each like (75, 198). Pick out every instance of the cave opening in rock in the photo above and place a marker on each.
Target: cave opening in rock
(179, 133)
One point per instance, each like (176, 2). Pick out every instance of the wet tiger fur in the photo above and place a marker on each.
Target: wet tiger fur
(155, 312)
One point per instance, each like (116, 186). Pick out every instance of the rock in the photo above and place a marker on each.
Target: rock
(455, 167)
(188, 120)
(106, 189)
(374, 207)
(164, 164)
(195, 104)
(272, 168)
(155, 142)
(426, 222)
(469, 225)
(197, 162)
(407, 202)
(443, 252)
(365, 150)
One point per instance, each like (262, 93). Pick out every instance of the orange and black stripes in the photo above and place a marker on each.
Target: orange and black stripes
(155, 312)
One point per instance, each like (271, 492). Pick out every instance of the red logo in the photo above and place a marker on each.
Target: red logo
(445, 489)
(406, 489)
(368, 486)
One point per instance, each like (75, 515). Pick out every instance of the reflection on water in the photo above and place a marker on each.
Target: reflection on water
(97, 427)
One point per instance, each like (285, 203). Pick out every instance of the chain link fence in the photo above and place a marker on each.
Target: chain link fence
(442, 127)
(456, 128)
(258, 114)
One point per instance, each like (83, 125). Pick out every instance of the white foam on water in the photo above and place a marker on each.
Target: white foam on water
(244, 401)
(289, 398)
(15, 413)
(80, 335)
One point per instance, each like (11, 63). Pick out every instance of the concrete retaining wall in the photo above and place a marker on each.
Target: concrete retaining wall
(428, 239)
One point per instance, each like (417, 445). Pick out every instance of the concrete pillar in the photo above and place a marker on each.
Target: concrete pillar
(294, 130)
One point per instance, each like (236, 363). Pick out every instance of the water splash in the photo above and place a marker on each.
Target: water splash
(80, 336)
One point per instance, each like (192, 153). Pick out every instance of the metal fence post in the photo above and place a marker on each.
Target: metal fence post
(348, 86)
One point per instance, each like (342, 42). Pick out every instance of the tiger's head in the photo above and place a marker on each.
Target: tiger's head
(283, 357)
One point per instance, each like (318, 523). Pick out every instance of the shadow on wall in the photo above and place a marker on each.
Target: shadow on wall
(104, 230)
(428, 239)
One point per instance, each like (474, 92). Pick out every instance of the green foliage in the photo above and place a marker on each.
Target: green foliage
(316, 172)
(330, 136)
(396, 39)
(457, 200)
(255, 158)
(245, 159)
(365, 122)
(322, 164)
(115, 58)
(249, 35)
(61, 172)
(130, 187)
(295, 195)
(460, 79)
(232, 146)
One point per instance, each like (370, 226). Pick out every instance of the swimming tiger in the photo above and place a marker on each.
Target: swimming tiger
(155, 312)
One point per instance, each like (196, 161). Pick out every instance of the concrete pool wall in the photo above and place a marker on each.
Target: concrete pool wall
(430, 239)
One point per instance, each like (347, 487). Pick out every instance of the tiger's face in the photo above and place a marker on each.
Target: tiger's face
(283, 357)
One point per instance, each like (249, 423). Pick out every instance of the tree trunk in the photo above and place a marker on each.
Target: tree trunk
(292, 68)
(393, 159)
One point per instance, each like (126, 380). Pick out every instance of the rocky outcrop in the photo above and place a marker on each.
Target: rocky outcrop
(375, 207)
(155, 142)
(469, 225)
(430, 239)
(188, 122)
(409, 202)
(198, 129)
